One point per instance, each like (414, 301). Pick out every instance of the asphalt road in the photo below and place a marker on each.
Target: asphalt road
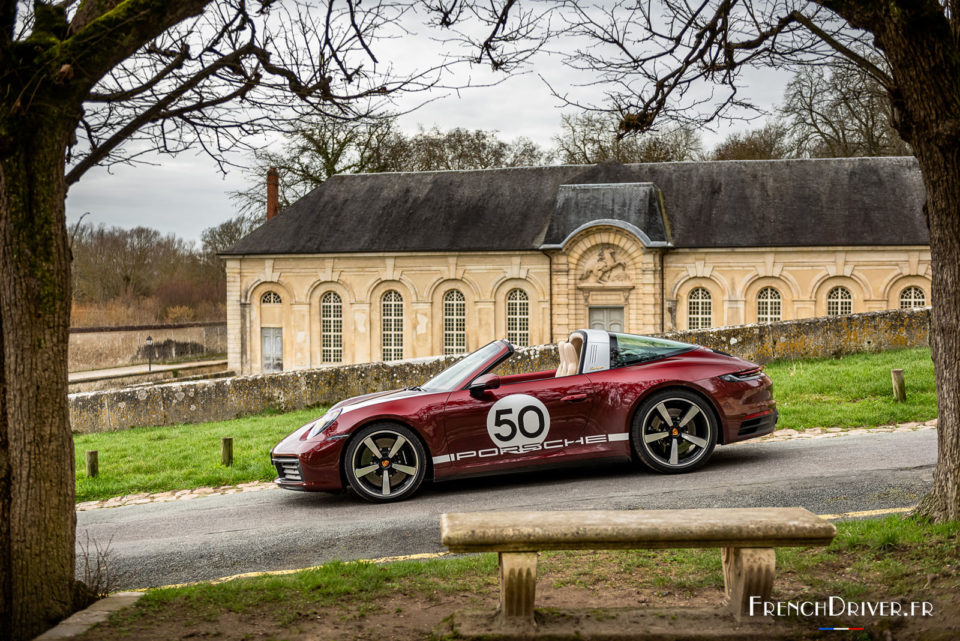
(167, 543)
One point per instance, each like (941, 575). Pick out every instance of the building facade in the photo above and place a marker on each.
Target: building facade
(389, 266)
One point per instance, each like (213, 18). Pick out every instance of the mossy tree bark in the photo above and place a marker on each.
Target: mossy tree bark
(37, 514)
(923, 54)
(43, 82)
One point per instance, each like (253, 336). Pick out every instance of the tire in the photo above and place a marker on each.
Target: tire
(385, 462)
(682, 445)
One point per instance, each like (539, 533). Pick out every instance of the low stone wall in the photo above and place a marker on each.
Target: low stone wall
(102, 347)
(222, 399)
(816, 337)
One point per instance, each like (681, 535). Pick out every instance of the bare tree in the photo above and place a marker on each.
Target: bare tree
(93, 82)
(462, 149)
(683, 60)
(769, 142)
(326, 147)
(228, 233)
(841, 111)
(592, 137)
(316, 150)
(140, 270)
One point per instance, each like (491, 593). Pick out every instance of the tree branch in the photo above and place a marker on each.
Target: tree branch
(837, 46)
(8, 22)
(172, 66)
(103, 41)
(152, 114)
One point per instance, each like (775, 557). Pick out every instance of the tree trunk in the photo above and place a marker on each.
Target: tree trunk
(920, 46)
(941, 172)
(37, 517)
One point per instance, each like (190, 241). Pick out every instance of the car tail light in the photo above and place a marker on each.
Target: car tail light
(742, 376)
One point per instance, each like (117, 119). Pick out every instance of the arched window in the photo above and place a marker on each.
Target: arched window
(518, 317)
(699, 309)
(331, 328)
(912, 297)
(768, 305)
(270, 298)
(454, 322)
(839, 302)
(391, 322)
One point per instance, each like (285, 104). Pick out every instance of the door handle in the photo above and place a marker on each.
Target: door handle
(573, 398)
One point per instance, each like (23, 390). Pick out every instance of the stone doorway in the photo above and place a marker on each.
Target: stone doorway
(608, 318)
(271, 344)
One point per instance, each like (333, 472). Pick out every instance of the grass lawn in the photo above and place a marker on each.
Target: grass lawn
(874, 560)
(852, 391)
(157, 459)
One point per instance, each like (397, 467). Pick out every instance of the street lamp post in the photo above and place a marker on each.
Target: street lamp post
(149, 353)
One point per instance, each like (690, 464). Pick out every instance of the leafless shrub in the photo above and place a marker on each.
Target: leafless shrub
(94, 559)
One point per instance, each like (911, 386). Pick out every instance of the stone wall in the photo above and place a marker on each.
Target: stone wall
(227, 398)
(222, 399)
(102, 347)
(816, 337)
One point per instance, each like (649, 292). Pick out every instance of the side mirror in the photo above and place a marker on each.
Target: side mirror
(483, 383)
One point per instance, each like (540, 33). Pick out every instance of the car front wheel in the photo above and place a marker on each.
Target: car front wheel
(674, 431)
(385, 462)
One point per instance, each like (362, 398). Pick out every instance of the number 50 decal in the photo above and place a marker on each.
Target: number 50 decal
(518, 419)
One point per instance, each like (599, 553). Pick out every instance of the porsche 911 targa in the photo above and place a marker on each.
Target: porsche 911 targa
(618, 396)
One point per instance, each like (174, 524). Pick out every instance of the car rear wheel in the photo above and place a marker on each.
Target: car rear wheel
(674, 431)
(385, 462)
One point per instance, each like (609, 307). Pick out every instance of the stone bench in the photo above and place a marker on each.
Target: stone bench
(747, 538)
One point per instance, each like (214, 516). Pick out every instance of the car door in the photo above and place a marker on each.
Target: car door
(515, 425)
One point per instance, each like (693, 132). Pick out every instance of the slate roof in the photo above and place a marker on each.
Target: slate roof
(775, 203)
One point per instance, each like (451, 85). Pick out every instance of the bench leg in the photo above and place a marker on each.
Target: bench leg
(747, 572)
(518, 586)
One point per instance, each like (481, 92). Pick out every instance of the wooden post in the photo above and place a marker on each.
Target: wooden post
(93, 466)
(226, 450)
(899, 388)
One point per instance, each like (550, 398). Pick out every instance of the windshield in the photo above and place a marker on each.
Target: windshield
(452, 377)
(628, 349)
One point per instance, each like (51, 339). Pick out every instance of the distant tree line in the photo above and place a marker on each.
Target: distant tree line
(139, 275)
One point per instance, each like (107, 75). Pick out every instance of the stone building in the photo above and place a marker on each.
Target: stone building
(387, 266)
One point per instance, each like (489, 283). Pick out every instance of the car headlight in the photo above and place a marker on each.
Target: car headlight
(323, 423)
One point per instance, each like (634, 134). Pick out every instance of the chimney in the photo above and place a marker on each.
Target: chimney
(273, 192)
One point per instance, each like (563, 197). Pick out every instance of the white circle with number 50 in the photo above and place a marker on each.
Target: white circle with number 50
(518, 419)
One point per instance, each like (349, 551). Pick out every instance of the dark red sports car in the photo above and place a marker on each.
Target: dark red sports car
(613, 396)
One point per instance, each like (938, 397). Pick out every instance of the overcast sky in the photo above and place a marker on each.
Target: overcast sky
(185, 194)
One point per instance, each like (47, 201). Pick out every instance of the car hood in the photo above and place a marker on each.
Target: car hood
(365, 400)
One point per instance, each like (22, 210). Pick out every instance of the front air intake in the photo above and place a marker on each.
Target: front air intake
(288, 469)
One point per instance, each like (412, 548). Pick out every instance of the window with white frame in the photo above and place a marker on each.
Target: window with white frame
(769, 305)
(454, 322)
(912, 297)
(839, 302)
(518, 317)
(331, 328)
(699, 309)
(391, 321)
(270, 298)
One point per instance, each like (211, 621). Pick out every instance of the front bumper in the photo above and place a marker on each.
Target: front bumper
(308, 465)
